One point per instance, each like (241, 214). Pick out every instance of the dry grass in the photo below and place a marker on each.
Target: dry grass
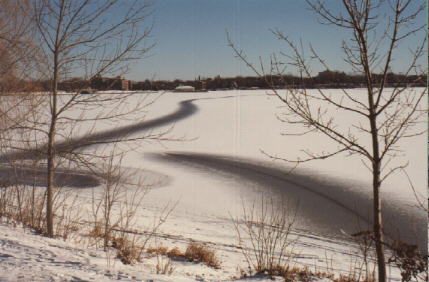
(296, 273)
(128, 251)
(97, 231)
(164, 265)
(305, 274)
(161, 250)
(356, 274)
(195, 252)
(175, 253)
(352, 278)
(199, 253)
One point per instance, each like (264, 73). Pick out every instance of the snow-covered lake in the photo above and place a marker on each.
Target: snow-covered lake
(218, 161)
(211, 164)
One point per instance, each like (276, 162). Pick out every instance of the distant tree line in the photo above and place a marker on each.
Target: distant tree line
(324, 79)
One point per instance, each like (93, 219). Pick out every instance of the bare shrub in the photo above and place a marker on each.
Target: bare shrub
(22, 204)
(264, 236)
(199, 253)
(364, 268)
(119, 235)
(26, 204)
(128, 249)
(115, 208)
(410, 261)
(67, 214)
(164, 265)
(406, 257)
(5, 201)
(113, 195)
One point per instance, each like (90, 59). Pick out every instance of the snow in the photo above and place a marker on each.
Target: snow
(239, 124)
(26, 256)
(210, 166)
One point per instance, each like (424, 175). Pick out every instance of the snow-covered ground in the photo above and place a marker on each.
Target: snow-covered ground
(211, 165)
(26, 256)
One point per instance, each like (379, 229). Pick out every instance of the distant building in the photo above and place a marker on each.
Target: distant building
(184, 88)
(202, 85)
(107, 83)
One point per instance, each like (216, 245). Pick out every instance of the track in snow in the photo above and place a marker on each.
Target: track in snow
(30, 175)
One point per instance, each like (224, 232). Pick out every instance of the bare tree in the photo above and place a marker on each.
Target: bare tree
(16, 45)
(384, 116)
(83, 38)
(264, 235)
(19, 111)
(118, 192)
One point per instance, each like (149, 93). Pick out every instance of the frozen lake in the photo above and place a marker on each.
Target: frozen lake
(211, 163)
(217, 163)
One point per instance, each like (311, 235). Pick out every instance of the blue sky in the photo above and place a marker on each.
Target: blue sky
(191, 39)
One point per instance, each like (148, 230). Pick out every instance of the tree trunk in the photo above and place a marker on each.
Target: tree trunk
(51, 153)
(377, 216)
(50, 182)
(378, 231)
